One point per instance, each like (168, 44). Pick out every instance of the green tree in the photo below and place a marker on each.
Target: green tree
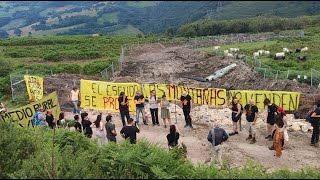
(17, 32)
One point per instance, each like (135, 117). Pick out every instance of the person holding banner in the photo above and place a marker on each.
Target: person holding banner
(153, 101)
(124, 107)
(3, 109)
(186, 107)
(74, 98)
(165, 112)
(139, 101)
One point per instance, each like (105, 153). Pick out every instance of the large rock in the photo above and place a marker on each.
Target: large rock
(295, 127)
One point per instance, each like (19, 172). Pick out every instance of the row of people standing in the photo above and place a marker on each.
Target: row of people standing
(165, 106)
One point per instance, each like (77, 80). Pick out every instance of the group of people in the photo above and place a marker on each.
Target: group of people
(276, 126)
(276, 121)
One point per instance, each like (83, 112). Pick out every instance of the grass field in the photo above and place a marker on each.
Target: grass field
(128, 31)
(14, 24)
(310, 40)
(110, 17)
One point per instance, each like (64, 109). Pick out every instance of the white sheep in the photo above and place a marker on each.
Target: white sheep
(304, 49)
(216, 47)
(234, 49)
(285, 50)
(260, 52)
(280, 54)
(256, 54)
(229, 55)
(266, 52)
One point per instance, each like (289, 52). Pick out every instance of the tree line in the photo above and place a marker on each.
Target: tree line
(248, 25)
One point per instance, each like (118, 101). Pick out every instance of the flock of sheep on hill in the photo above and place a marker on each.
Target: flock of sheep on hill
(280, 55)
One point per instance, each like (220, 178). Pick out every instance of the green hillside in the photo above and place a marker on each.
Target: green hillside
(145, 16)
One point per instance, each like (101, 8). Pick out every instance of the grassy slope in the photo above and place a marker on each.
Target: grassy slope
(128, 31)
(311, 40)
(142, 4)
(110, 17)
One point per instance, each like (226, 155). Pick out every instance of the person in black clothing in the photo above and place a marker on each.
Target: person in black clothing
(235, 116)
(124, 107)
(78, 125)
(86, 125)
(315, 124)
(50, 118)
(272, 111)
(130, 131)
(139, 101)
(251, 116)
(173, 137)
(186, 106)
(216, 136)
(110, 128)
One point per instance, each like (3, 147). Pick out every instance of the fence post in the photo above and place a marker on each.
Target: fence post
(311, 76)
(11, 88)
(264, 75)
(112, 69)
(277, 74)
(288, 75)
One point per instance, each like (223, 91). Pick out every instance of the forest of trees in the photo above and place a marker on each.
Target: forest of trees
(249, 25)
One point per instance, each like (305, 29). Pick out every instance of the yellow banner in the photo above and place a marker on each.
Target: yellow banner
(34, 87)
(100, 95)
(23, 115)
(204, 96)
(288, 100)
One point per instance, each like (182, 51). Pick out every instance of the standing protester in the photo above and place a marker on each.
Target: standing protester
(139, 101)
(216, 136)
(50, 119)
(74, 98)
(315, 124)
(173, 137)
(279, 135)
(235, 115)
(130, 131)
(78, 125)
(165, 113)
(186, 106)
(272, 111)
(39, 119)
(153, 101)
(251, 116)
(99, 130)
(124, 107)
(86, 125)
(110, 128)
(282, 114)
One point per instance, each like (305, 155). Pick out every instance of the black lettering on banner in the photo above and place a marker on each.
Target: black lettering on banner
(265, 97)
(213, 96)
(223, 97)
(19, 114)
(93, 98)
(29, 112)
(51, 104)
(36, 106)
(161, 90)
(108, 92)
(44, 105)
(120, 89)
(257, 98)
(99, 89)
(93, 85)
(282, 99)
(292, 103)
(5, 116)
(87, 98)
(114, 89)
(205, 97)
(246, 97)
(172, 91)
(199, 96)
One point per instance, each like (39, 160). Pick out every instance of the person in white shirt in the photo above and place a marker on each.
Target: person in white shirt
(74, 98)
(153, 101)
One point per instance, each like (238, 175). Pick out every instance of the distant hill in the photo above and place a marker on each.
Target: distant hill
(41, 18)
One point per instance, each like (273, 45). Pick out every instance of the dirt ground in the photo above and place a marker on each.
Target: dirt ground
(177, 64)
(157, 63)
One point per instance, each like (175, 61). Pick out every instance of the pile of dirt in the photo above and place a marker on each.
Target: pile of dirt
(157, 63)
(62, 84)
